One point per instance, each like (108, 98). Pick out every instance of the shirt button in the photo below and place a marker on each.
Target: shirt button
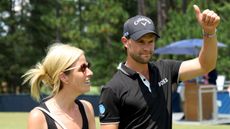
(143, 79)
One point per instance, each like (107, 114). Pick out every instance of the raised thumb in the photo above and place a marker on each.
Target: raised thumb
(197, 11)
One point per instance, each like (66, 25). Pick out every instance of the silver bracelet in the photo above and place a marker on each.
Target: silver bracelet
(209, 35)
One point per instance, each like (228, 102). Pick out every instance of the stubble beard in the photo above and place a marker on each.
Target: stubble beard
(138, 58)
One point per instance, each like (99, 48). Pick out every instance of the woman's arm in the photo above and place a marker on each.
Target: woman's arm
(89, 113)
(36, 120)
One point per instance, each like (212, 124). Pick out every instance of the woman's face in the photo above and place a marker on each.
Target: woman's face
(79, 76)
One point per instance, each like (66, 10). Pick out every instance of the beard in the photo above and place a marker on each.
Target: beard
(141, 59)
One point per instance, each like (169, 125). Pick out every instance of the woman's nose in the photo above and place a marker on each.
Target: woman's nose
(89, 72)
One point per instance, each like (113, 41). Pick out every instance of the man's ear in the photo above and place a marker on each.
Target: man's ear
(124, 41)
(63, 77)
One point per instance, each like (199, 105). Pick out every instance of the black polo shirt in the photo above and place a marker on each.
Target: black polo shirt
(127, 100)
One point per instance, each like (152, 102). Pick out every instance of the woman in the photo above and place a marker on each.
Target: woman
(66, 71)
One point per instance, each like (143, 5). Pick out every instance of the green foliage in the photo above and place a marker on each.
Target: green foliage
(25, 40)
(103, 29)
(184, 26)
(94, 90)
(180, 26)
(223, 65)
(96, 26)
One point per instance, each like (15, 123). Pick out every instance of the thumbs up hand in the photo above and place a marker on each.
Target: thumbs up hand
(207, 19)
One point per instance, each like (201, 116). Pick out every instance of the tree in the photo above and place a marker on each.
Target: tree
(24, 42)
(103, 29)
(162, 9)
(13, 42)
(141, 7)
(177, 21)
(96, 26)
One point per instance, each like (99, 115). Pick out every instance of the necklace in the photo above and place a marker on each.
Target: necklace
(60, 112)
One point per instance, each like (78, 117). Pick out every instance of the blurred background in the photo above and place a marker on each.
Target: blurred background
(27, 27)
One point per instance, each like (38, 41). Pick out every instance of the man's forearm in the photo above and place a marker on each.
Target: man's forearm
(209, 51)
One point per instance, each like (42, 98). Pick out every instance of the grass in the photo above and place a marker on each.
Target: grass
(18, 120)
(13, 120)
(201, 126)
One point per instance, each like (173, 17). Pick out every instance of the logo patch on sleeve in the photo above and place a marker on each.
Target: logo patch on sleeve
(101, 109)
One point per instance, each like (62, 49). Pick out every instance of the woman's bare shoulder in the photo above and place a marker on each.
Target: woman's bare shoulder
(36, 119)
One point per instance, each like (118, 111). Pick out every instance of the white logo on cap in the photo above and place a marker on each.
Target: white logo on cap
(143, 21)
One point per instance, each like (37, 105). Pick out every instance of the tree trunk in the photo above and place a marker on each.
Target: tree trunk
(161, 14)
(58, 38)
(141, 7)
(184, 6)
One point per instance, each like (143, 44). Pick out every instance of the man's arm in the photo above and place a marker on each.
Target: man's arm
(206, 61)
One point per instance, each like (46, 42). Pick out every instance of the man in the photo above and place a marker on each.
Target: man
(139, 94)
(212, 76)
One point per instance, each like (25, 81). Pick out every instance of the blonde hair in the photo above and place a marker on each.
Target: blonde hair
(59, 57)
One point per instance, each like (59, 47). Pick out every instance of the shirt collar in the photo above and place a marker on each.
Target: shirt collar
(129, 71)
(126, 70)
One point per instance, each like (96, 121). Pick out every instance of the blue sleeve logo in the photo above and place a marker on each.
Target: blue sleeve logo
(101, 109)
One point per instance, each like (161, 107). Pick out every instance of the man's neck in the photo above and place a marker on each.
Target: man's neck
(138, 67)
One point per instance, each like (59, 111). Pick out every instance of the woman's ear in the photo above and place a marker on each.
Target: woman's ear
(63, 77)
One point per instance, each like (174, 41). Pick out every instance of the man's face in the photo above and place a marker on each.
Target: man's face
(141, 50)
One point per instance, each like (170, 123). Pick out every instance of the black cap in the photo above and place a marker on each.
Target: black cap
(138, 26)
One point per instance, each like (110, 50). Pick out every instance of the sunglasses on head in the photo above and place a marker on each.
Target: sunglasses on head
(81, 68)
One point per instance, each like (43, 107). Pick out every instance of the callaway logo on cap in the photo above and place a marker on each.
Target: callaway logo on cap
(138, 26)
